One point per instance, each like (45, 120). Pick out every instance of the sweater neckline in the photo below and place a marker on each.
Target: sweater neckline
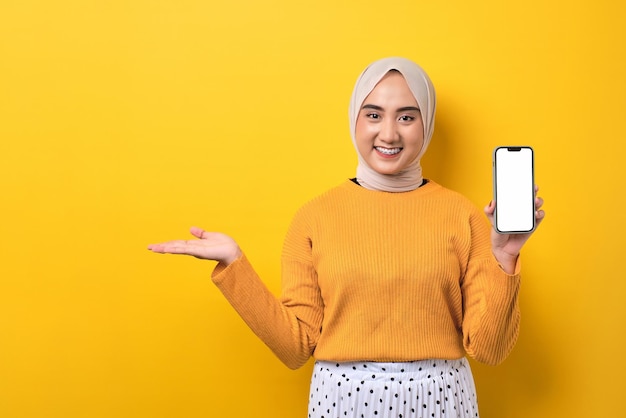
(426, 188)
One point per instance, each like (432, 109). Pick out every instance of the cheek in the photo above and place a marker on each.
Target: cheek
(415, 135)
(362, 136)
(413, 143)
(359, 128)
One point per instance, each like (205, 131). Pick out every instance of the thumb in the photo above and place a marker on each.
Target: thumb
(490, 208)
(197, 232)
(489, 211)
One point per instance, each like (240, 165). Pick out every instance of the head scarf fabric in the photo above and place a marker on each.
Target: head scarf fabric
(424, 92)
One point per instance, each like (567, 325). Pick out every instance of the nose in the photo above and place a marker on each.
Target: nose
(388, 131)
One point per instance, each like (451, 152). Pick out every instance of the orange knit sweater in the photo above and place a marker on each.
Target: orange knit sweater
(376, 276)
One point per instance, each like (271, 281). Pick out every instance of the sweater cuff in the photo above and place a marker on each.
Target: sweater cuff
(222, 271)
(516, 271)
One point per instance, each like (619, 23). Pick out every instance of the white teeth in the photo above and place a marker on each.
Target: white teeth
(388, 151)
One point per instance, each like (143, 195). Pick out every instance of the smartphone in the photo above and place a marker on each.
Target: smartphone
(514, 189)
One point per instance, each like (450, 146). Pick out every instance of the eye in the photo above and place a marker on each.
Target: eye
(372, 115)
(407, 118)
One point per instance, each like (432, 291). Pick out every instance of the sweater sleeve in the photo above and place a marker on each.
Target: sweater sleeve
(289, 325)
(491, 312)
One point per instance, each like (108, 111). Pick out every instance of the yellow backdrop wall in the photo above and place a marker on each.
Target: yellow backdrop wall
(126, 122)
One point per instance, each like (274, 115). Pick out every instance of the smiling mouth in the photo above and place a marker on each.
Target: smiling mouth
(388, 151)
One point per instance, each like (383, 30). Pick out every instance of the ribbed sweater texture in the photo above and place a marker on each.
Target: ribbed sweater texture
(378, 276)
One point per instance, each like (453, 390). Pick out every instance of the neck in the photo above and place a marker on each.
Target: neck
(404, 181)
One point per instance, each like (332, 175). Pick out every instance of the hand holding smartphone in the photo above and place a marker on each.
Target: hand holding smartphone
(514, 189)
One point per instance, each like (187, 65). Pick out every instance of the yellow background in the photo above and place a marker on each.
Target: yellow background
(125, 122)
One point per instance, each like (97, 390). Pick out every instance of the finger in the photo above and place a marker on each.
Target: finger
(539, 217)
(540, 214)
(157, 248)
(197, 232)
(173, 247)
(202, 234)
(490, 208)
(213, 237)
(538, 202)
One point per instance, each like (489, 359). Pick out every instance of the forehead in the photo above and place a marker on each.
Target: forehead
(391, 87)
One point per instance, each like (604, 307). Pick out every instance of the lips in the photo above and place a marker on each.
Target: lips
(388, 152)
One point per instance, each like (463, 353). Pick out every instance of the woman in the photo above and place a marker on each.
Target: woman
(389, 279)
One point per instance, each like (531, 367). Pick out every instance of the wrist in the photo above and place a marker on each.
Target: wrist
(235, 254)
(507, 262)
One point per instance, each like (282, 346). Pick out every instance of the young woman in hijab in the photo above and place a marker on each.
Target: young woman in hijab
(388, 279)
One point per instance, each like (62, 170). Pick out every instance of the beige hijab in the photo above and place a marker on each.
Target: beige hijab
(424, 93)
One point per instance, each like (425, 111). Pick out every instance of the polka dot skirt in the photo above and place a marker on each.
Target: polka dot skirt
(418, 389)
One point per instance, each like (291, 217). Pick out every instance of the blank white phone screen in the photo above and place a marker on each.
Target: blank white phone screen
(514, 189)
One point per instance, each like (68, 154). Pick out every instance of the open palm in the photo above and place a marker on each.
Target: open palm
(207, 245)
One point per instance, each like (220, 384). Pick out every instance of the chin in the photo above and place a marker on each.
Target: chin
(386, 172)
(388, 168)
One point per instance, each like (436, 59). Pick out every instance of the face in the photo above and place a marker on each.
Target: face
(389, 130)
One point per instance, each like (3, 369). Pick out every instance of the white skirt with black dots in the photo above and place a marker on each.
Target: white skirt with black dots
(417, 389)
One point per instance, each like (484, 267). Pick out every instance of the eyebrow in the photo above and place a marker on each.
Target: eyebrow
(401, 109)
